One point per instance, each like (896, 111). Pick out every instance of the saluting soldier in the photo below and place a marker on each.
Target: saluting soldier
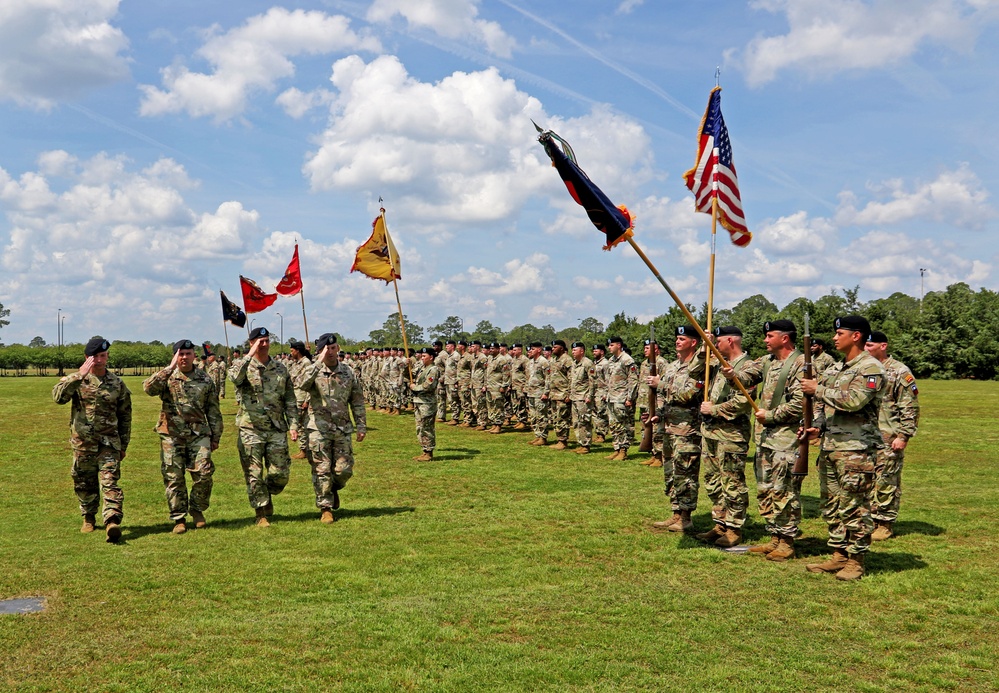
(622, 389)
(424, 388)
(581, 386)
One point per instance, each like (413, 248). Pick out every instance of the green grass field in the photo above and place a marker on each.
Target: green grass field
(498, 566)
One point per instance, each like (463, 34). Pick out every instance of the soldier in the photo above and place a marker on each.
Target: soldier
(679, 408)
(300, 359)
(465, 387)
(559, 370)
(215, 369)
(440, 360)
(582, 382)
(897, 421)
(454, 353)
(479, 402)
(190, 427)
(848, 399)
(100, 426)
(820, 359)
(537, 394)
(599, 394)
(778, 491)
(647, 409)
(424, 387)
(267, 410)
(518, 384)
(622, 388)
(499, 372)
(334, 396)
(725, 432)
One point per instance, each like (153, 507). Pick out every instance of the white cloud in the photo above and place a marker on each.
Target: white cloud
(452, 19)
(297, 103)
(760, 271)
(795, 234)
(955, 197)
(249, 59)
(530, 275)
(627, 6)
(828, 37)
(591, 284)
(52, 50)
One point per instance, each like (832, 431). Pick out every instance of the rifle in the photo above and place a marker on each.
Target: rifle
(646, 444)
(801, 464)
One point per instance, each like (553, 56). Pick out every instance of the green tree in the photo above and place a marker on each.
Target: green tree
(749, 315)
(36, 342)
(525, 334)
(486, 332)
(390, 333)
(451, 328)
(3, 314)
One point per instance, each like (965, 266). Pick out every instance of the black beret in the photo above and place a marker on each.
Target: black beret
(615, 340)
(503, 346)
(476, 342)
(728, 331)
(578, 344)
(494, 345)
(559, 342)
(439, 343)
(462, 342)
(429, 351)
(325, 340)
(182, 344)
(779, 326)
(546, 348)
(298, 346)
(517, 345)
(651, 341)
(451, 341)
(854, 323)
(878, 337)
(259, 332)
(536, 345)
(602, 347)
(96, 346)
(687, 331)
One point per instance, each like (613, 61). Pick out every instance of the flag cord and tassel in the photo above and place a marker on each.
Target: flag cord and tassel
(686, 312)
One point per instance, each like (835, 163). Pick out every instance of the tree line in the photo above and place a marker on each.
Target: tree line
(950, 334)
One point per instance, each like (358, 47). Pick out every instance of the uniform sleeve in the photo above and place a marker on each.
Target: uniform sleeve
(124, 407)
(307, 376)
(237, 373)
(855, 397)
(156, 384)
(791, 408)
(357, 408)
(290, 404)
(736, 405)
(632, 382)
(213, 413)
(65, 389)
(908, 405)
(752, 374)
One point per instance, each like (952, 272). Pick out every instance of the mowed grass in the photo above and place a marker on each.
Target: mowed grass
(498, 566)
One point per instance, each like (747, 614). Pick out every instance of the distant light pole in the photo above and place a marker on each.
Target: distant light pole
(922, 273)
(60, 372)
(282, 331)
(462, 322)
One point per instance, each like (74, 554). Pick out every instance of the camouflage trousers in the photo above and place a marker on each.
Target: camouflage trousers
(658, 433)
(778, 492)
(194, 456)
(622, 425)
(453, 401)
(426, 434)
(667, 459)
(519, 407)
(724, 464)
(600, 426)
(96, 474)
(332, 464)
(441, 400)
(685, 464)
(539, 417)
(846, 478)
(467, 410)
(496, 407)
(582, 421)
(887, 492)
(561, 418)
(260, 452)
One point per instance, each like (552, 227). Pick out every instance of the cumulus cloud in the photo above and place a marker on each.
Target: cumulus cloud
(828, 37)
(250, 59)
(52, 50)
(530, 275)
(452, 19)
(297, 103)
(627, 6)
(795, 234)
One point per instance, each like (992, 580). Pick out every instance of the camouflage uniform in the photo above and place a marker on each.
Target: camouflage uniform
(334, 396)
(266, 411)
(558, 396)
(465, 388)
(216, 370)
(622, 386)
(680, 402)
(778, 492)
(301, 401)
(479, 402)
(821, 362)
(450, 378)
(658, 430)
(441, 362)
(190, 427)
(499, 373)
(581, 385)
(537, 395)
(100, 429)
(600, 397)
(897, 418)
(847, 402)
(425, 382)
(518, 381)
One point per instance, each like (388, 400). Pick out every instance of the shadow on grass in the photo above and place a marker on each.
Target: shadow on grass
(459, 454)
(881, 562)
(811, 507)
(917, 527)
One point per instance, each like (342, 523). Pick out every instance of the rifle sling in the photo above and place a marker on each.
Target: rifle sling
(781, 386)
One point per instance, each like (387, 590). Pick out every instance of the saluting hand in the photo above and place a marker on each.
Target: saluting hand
(173, 361)
(87, 366)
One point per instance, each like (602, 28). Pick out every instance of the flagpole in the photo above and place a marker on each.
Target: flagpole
(398, 303)
(304, 320)
(228, 351)
(686, 312)
(711, 277)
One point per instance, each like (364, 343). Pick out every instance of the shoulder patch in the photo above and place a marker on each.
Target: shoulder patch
(872, 382)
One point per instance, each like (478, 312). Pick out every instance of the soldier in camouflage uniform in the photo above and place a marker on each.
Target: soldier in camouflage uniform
(582, 382)
(190, 427)
(334, 396)
(821, 360)
(645, 409)
(465, 387)
(778, 491)
(267, 411)
(216, 371)
(679, 408)
(101, 427)
(499, 374)
(622, 389)
(537, 394)
(450, 377)
(518, 384)
(897, 420)
(600, 426)
(559, 370)
(300, 360)
(847, 402)
(725, 433)
(424, 387)
(479, 403)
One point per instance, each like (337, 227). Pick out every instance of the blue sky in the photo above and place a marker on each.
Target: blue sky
(151, 152)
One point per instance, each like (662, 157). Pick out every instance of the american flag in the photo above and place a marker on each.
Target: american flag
(713, 176)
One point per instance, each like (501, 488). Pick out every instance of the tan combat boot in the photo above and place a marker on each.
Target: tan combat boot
(835, 563)
(452, 422)
(520, 426)
(583, 450)
(425, 457)
(112, 529)
(768, 547)
(648, 462)
(480, 427)
(88, 523)
(199, 519)
(854, 568)
(622, 454)
(716, 532)
(657, 463)
(179, 527)
(882, 531)
(784, 550)
(262, 518)
(300, 455)
(731, 537)
(665, 524)
(326, 517)
(683, 524)
(560, 445)
(613, 455)
(496, 429)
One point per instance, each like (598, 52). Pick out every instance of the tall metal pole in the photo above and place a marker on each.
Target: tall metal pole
(282, 329)
(922, 271)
